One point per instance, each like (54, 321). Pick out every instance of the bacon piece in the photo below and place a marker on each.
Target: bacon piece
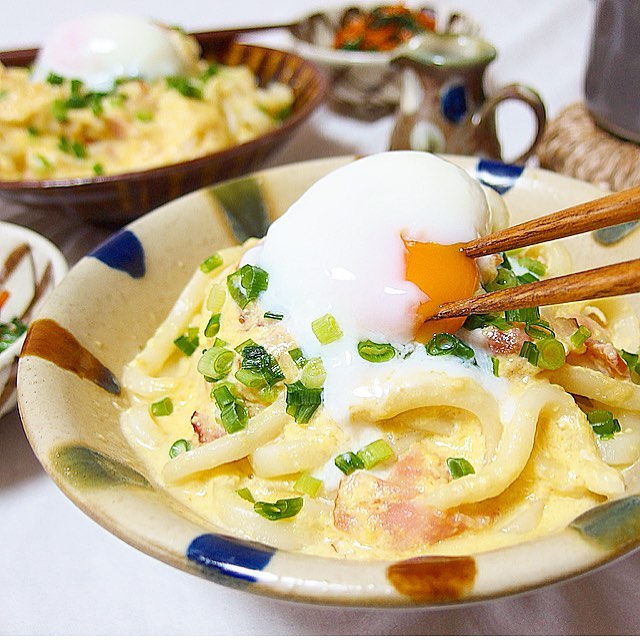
(503, 342)
(601, 356)
(206, 427)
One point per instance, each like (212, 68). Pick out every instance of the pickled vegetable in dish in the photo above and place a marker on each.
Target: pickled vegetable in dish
(383, 28)
(295, 396)
(111, 94)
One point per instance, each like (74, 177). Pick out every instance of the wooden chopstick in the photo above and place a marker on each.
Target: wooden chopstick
(616, 208)
(612, 280)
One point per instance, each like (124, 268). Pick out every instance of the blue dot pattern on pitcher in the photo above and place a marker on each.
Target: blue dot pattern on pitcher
(229, 557)
(124, 252)
(497, 175)
(453, 102)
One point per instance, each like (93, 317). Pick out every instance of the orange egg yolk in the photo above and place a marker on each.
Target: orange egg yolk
(444, 273)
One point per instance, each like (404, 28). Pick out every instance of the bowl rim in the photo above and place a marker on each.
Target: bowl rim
(291, 580)
(285, 127)
(60, 268)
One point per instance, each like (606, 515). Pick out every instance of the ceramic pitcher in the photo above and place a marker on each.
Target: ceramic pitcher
(443, 108)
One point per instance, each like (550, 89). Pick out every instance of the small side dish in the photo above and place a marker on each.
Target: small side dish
(30, 266)
(111, 94)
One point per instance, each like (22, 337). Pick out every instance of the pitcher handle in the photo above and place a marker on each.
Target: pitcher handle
(515, 92)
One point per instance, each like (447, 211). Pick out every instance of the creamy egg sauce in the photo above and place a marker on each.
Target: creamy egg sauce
(380, 445)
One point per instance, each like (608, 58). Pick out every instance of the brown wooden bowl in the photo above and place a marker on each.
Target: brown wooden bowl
(117, 199)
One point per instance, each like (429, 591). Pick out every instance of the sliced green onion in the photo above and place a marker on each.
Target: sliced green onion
(280, 509)
(245, 494)
(528, 314)
(326, 329)
(211, 70)
(530, 352)
(348, 462)
(375, 352)
(59, 110)
(54, 78)
(98, 169)
(302, 402)
(505, 279)
(144, 116)
(234, 416)
(33, 132)
(10, 332)
(527, 278)
(580, 336)
(480, 321)
(188, 343)
(313, 373)
(216, 298)
(256, 359)
(163, 407)
(219, 343)
(183, 85)
(538, 331)
(603, 423)
(551, 354)
(216, 362)
(308, 484)
(223, 394)
(178, 447)
(535, 266)
(250, 378)
(631, 359)
(459, 467)
(495, 366)
(245, 344)
(446, 344)
(273, 316)
(506, 263)
(247, 283)
(213, 326)
(212, 262)
(374, 453)
(297, 357)
(268, 394)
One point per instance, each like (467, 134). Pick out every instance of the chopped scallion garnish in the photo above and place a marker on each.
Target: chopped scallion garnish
(245, 494)
(313, 373)
(162, 407)
(308, 484)
(603, 423)
(348, 462)
(211, 263)
(459, 467)
(302, 401)
(98, 169)
(538, 331)
(256, 360)
(178, 447)
(216, 362)
(375, 453)
(526, 315)
(526, 278)
(189, 342)
(213, 326)
(495, 366)
(505, 279)
(530, 352)
(480, 321)
(375, 352)
(183, 85)
(247, 283)
(446, 344)
(580, 337)
(234, 416)
(216, 298)
(280, 509)
(144, 116)
(535, 266)
(273, 316)
(54, 78)
(551, 354)
(297, 357)
(326, 329)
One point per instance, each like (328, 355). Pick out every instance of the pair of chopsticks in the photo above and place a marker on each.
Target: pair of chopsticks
(616, 279)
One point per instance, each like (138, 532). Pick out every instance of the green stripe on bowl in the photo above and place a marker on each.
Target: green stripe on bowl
(243, 202)
(613, 525)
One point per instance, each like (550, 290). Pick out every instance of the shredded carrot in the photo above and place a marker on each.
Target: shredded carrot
(383, 28)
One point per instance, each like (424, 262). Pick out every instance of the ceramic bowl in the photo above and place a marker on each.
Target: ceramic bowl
(110, 304)
(363, 83)
(30, 267)
(114, 200)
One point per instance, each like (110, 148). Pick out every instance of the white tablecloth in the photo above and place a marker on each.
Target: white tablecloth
(61, 573)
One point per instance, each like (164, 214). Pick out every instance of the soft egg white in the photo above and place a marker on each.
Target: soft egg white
(100, 48)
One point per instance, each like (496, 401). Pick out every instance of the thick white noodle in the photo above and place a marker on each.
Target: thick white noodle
(262, 428)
